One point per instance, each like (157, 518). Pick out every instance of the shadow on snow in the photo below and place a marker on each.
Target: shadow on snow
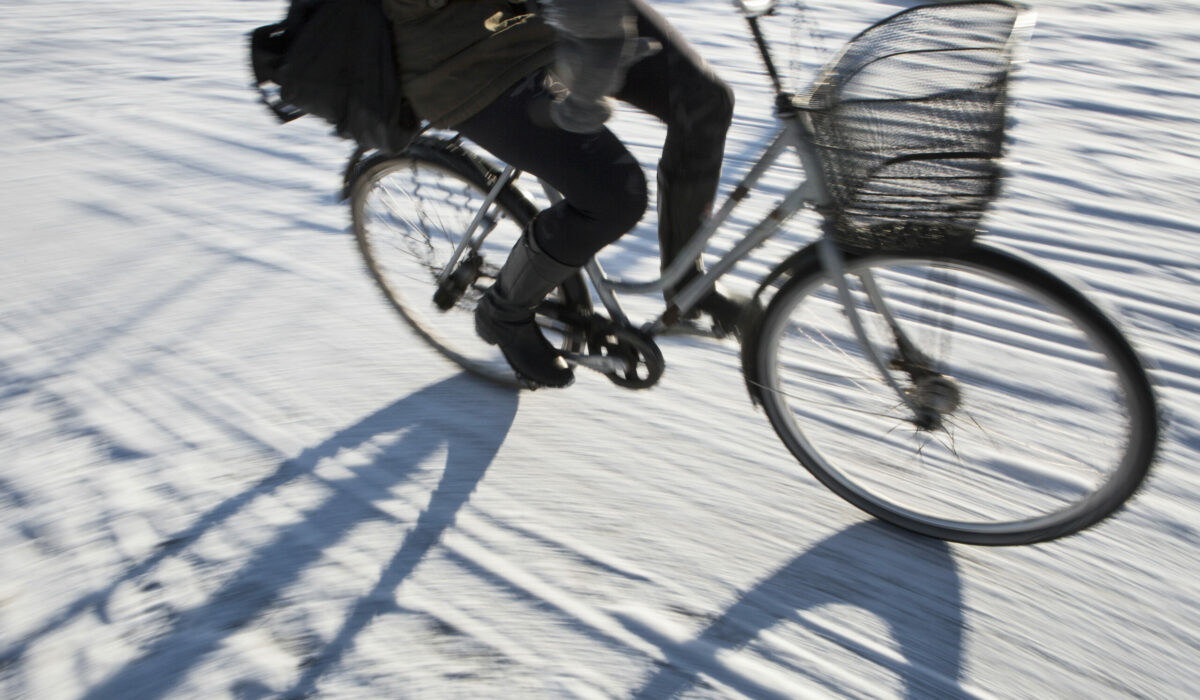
(425, 422)
(909, 582)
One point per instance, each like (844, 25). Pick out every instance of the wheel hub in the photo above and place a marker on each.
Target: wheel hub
(451, 289)
(934, 396)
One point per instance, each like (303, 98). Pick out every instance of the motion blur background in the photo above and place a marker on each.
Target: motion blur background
(228, 470)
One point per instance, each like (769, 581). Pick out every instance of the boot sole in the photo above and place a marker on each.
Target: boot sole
(523, 379)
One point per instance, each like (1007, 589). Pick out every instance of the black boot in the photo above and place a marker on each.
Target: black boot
(682, 206)
(505, 315)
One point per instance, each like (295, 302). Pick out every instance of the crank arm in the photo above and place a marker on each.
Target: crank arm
(691, 329)
(599, 363)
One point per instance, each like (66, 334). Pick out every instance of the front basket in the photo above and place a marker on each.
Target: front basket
(909, 122)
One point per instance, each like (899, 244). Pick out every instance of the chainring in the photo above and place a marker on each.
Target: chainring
(637, 351)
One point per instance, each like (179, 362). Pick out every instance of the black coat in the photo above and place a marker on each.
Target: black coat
(456, 56)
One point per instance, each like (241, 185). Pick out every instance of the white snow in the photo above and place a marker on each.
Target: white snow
(228, 470)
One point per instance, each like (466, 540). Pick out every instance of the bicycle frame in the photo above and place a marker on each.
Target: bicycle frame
(810, 192)
(794, 132)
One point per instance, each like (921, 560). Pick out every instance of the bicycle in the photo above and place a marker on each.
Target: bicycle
(873, 349)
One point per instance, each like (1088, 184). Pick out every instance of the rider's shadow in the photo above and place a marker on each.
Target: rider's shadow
(419, 426)
(908, 582)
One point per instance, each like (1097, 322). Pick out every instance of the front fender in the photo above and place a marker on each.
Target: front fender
(805, 261)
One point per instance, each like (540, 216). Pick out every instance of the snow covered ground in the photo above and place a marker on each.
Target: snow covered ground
(228, 470)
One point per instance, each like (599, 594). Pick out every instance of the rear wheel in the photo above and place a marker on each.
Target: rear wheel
(410, 212)
(1026, 414)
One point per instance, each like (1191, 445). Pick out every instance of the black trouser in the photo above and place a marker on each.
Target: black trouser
(603, 186)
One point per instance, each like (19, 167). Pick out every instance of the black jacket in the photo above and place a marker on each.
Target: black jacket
(457, 56)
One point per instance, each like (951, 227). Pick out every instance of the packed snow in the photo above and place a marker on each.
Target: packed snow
(229, 470)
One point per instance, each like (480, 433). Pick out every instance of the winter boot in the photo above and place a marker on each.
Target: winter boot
(505, 315)
(682, 206)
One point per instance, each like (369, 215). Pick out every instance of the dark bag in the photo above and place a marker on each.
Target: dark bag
(335, 59)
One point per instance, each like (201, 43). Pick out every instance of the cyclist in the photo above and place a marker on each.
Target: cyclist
(532, 88)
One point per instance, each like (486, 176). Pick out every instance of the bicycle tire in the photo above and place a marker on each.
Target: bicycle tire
(1059, 463)
(409, 211)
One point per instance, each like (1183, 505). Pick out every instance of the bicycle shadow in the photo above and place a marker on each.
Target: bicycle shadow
(909, 582)
(423, 422)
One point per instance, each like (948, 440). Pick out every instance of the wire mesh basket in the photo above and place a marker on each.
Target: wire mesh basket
(909, 122)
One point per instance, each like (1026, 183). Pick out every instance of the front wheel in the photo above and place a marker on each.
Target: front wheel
(1023, 413)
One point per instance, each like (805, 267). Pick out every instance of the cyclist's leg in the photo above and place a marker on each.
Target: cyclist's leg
(604, 195)
(603, 186)
(680, 88)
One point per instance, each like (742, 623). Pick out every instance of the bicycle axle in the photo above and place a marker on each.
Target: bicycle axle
(451, 289)
(934, 396)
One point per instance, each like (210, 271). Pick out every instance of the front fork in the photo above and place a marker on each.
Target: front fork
(930, 395)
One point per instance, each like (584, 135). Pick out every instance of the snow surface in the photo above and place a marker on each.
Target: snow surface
(228, 470)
